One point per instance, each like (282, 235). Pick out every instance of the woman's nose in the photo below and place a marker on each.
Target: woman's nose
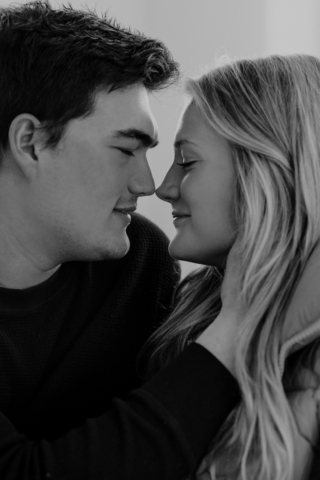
(169, 189)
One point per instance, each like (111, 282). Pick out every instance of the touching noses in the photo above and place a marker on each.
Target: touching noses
(169, 190)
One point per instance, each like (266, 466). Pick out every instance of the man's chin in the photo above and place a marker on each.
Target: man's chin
(111, 251)
(116, 252)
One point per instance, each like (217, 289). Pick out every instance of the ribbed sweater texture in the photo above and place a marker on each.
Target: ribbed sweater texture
(69, 349)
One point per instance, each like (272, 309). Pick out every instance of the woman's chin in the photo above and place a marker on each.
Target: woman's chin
(184, 253)
(180, 252)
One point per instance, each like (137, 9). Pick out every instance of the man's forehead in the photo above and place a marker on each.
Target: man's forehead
(127, 113)
(134, 97)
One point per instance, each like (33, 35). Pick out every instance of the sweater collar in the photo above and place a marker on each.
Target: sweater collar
(28, 298)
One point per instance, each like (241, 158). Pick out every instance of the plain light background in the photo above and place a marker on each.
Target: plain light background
(198, 32)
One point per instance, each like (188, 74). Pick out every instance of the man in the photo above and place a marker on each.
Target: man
(82, 284)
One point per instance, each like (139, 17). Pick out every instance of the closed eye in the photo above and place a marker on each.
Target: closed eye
(186, 164)
(126, 152)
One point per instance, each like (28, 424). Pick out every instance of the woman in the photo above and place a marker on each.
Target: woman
(247, 167)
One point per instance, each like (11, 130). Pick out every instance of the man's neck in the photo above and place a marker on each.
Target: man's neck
(22, 266)
(25, 259)
(21, 278)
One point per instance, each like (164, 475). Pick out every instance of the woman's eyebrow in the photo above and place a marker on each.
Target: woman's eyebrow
(182, 141)
(143, 137)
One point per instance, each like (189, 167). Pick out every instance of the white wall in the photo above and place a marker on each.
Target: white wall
(197, 32)
(292, 26)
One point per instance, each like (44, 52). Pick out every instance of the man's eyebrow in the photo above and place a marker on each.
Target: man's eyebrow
(182, 141)
(143, 137)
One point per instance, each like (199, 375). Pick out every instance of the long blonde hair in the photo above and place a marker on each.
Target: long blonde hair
(268, 109)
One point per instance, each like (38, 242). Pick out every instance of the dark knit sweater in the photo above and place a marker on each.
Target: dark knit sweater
(69, 346)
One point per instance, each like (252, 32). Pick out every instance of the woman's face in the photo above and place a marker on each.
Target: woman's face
(199, 186)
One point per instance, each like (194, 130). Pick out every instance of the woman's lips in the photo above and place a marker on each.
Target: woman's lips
(179, 218)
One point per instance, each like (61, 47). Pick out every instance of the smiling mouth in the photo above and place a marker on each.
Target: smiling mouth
(125, 211)
(176, 218)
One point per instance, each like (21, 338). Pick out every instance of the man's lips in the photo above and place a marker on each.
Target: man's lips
(125, 209)
(124, 212)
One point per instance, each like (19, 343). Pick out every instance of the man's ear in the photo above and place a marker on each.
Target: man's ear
(24, 142)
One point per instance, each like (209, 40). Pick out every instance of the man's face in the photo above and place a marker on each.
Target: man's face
(98, 169)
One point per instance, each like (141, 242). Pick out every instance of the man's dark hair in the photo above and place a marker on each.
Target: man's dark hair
(53, 62)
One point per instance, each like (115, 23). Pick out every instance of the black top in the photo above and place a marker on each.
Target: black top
(69, 346)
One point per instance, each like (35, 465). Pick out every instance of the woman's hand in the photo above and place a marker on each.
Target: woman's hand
(305, 406)
(304, 400)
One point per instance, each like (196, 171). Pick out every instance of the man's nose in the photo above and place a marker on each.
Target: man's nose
(142, 184)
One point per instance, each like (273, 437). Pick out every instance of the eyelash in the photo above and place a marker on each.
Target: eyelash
(186, 164)
(126, 152)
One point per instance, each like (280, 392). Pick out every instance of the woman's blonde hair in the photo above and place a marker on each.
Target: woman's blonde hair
(269, 111)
